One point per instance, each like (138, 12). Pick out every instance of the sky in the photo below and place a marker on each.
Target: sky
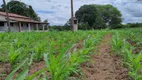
(58, 11)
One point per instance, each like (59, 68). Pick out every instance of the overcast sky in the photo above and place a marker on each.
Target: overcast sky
(58, 11)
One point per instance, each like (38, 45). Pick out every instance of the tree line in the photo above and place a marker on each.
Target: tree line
(97, 17)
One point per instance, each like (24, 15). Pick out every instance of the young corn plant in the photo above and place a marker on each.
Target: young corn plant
(55, 65)
(117, 43)
(14, 55)
(135, 67)
(132, 61)
(1, 37)
(40, 49)
(127, 51)
(25, 64)
(38, 52)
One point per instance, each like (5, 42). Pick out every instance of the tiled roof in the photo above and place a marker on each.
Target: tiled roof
(20, 18)
(13, 15)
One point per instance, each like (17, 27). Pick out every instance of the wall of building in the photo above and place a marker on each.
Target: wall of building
(24, 27)
(15, 27)
(3, 28)
(2, 18)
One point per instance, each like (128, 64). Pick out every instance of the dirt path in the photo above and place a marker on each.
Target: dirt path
(104, 65)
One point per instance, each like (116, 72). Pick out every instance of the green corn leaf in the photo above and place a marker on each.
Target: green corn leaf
(23, 74)
(36, 74)
(44, 76)
(10, 76)
(31, 59)
(136, 62)
(46, 60)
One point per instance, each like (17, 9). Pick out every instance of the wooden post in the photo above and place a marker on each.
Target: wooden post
(47, 26)
(8, 22)
(43, 27)
(19, 26)
(29, 26)
(5, 25)
(37, 27)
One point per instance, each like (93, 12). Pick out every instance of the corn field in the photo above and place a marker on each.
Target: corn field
(64, 52)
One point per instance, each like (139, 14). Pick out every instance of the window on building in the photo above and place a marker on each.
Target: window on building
(11, 24)
(1, 24)
(75, 21)
(22, 25)
(27, 25)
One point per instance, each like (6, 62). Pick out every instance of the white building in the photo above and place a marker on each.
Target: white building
(20, 23)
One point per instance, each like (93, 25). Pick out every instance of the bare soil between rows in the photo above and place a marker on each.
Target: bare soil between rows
(104, 65)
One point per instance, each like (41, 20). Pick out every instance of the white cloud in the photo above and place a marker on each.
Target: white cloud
(58, 11)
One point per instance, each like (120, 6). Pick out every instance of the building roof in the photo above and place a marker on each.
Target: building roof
(13, 15)
(20, 18)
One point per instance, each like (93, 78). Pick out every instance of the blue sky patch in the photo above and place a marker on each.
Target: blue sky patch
(46, 12)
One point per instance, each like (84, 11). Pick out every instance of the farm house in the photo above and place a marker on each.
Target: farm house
(20, 23)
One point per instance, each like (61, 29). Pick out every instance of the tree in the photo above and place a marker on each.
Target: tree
(110, 15)
(68, 23)
(99, 16)
(32, 14)
(21, 9)
(1, 9)
(46, 21)
(87, 14)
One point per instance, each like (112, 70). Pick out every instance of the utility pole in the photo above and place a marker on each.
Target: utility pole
(74, 21)
(8, 22)
(72, 15)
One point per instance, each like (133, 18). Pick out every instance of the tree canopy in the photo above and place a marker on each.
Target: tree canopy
(21, 8)
(99, 16)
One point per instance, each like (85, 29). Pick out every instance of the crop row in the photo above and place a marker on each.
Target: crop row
(128, 45)
(53, 48)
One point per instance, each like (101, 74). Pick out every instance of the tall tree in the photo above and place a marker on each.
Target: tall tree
(99, 16)
(21, 8)
(32, 14)
(46, 21)
(87, 14)
(110, 15)
(1, 9)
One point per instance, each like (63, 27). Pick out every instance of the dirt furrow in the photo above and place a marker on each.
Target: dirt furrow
(104, 65)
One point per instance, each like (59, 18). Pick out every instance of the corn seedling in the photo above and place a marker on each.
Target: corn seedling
(117, 43)
(125, 49)
(14, 55)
